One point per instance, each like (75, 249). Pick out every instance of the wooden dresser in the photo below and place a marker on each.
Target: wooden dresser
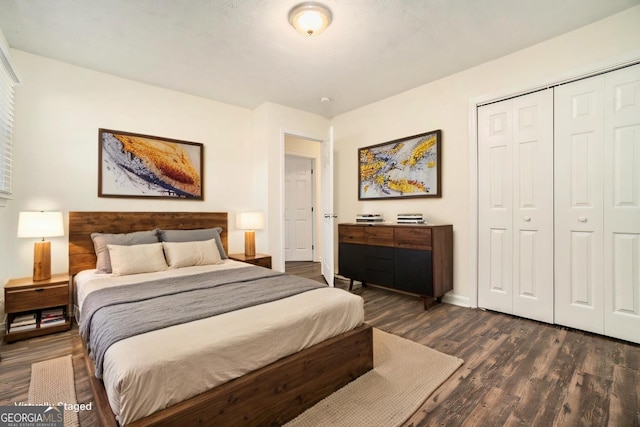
(412, 258)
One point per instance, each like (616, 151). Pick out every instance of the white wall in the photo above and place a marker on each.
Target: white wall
(59, 108)
(271, 123)
(444, 104)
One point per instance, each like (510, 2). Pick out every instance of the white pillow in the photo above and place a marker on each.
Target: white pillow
(135, 259)
(186, 254)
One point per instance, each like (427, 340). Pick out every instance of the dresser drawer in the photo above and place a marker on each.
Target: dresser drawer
(378, 265)
(413, 238)
(350, 234)
(379, 236)
(36, 297)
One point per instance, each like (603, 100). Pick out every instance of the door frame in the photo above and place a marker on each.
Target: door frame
(283, 134)
(314, 206)
(574, 75)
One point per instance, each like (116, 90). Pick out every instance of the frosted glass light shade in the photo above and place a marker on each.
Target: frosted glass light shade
(310, 18)
(250, 220)
(40, 224)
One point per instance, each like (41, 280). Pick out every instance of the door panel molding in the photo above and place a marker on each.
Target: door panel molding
(515, 206)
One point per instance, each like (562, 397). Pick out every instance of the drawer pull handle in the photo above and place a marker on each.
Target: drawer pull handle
(39, 289)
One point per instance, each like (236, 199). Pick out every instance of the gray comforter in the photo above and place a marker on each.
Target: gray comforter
(113, 314)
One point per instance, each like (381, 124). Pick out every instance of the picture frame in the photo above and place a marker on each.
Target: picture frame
(403, 168)
(144, 166)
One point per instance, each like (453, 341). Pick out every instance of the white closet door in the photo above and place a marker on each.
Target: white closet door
(533, 206)
(579, 222)
(622, 204)
(515, 154)
(495, 206)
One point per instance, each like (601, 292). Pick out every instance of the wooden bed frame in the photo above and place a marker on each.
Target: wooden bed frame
(271, 395)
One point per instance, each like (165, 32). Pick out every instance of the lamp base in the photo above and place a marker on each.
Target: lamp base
(250, 243)
(42, 260)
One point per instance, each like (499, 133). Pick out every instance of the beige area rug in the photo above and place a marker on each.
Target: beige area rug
(404, 375)
(52, 382)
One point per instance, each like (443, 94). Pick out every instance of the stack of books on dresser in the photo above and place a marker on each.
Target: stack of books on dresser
(410, 219)
(369, 218)
(23, 322)
(52, 317)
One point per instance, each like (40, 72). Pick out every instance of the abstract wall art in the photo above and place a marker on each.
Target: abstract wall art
(406, 167)
(134, 165)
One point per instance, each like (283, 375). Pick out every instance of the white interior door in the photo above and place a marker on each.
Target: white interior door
(515, 224)
(579, 204)
(533, 206)
(298, 210)
(622, 204)
(578, 255)
(328, 215)
(495, 229)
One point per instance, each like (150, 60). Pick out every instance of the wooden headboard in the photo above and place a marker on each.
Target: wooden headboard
(81, 224)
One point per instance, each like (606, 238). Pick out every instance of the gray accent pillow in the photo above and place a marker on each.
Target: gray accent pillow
(101, 240)
(194, 236)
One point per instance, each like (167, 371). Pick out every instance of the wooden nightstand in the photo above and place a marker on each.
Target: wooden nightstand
(262, 260)
(24, 296)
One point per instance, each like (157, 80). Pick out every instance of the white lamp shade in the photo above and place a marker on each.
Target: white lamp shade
(40, 224)
(250, 220)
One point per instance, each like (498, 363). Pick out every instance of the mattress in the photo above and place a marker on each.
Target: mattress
(149, 372)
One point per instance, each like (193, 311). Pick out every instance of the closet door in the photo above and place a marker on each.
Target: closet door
(578, 204)
(597, 168)
(533, 206)
(495, 206)
(515, 155)
(622, 204)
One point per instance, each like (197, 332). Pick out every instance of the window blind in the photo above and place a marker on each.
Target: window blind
(8, 80)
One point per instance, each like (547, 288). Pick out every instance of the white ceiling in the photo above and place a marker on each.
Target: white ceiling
(244, 52)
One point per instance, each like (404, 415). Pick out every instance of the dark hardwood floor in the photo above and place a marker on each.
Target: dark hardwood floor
(517, 372)
(15, 368)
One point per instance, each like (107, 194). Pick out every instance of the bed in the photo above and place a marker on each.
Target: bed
(263, 383)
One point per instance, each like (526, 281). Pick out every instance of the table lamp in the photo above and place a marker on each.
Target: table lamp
(250, 221)
(41, 224)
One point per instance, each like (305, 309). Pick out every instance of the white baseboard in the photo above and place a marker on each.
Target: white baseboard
(454, 299)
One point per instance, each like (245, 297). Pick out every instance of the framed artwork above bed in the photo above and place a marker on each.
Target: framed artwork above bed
(141, 166)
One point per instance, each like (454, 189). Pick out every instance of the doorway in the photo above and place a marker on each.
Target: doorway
(301, 193)
(299, 207)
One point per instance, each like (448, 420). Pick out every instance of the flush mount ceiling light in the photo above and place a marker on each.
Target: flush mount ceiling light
(310, 18)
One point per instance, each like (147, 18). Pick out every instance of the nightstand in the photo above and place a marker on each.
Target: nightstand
(262, 260)
(44, 299)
